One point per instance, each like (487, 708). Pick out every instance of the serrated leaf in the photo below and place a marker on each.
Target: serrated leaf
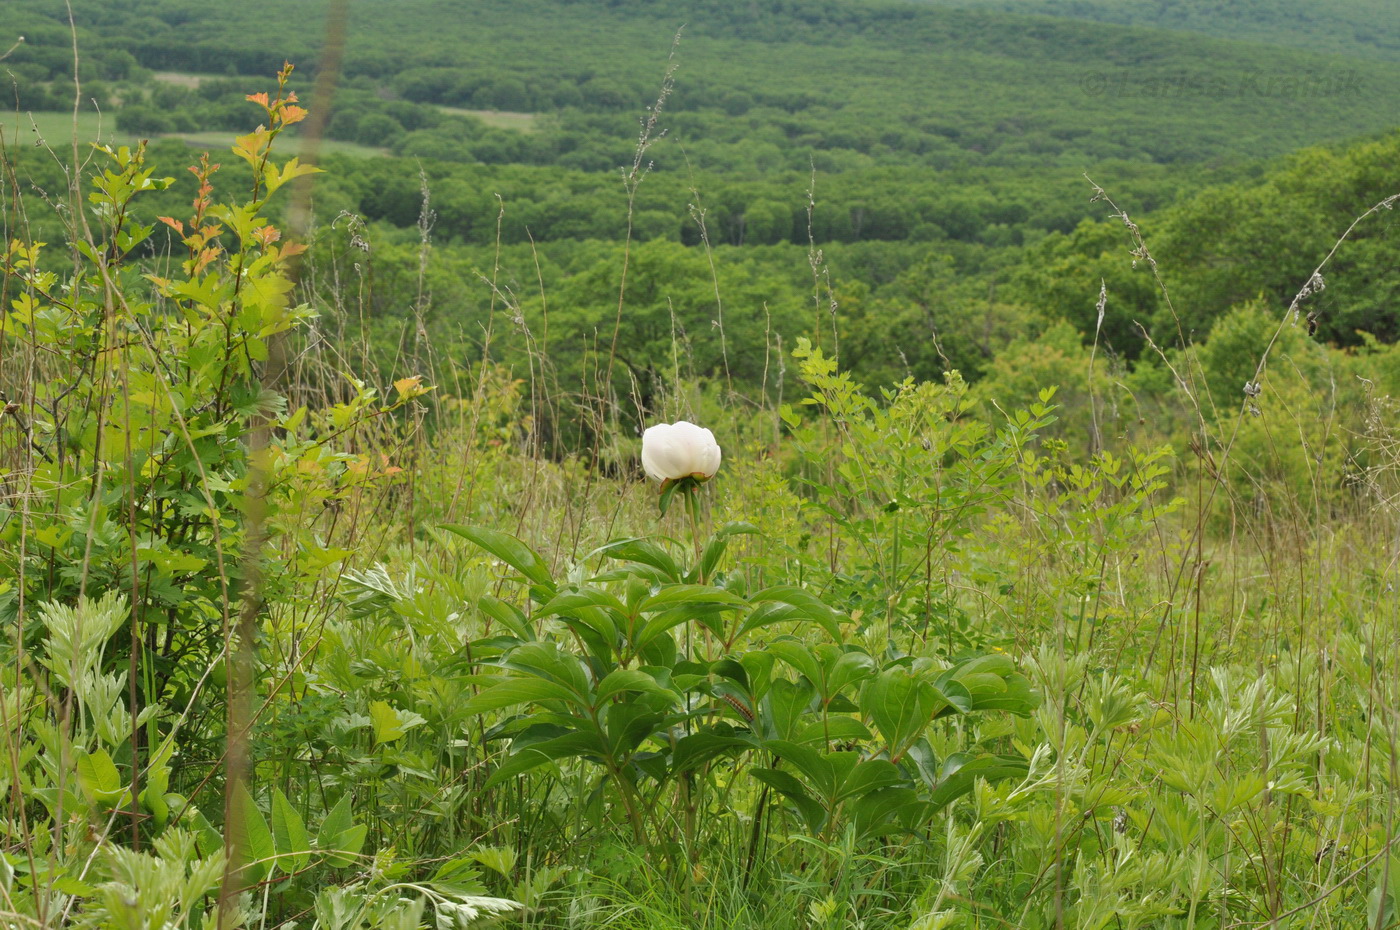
(385, 721)
(69, 885)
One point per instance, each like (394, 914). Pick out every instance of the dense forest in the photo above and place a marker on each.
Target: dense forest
(951, 146)
(1361, 28)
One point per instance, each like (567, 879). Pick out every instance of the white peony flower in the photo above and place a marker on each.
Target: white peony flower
(671, 451)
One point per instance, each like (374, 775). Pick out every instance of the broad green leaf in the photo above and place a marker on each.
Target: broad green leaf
(537, 754)
(509, 550)
(758, 667)
(153, 799)
(783, 707)
(961, 770)
(548, 661)
(631, 723)
(790, 604)
(669, 488)
(824, 773)
(99, 777)
(686, 595)
(954, 698)
(595, 615)
(870, 775)
(800, 656)
(337, 821)
(289, 836)
(836, 728)
(644, 552)
(389, 723)
(578, 600)
(707, 615)
(979, 683)
(695, 750)
(623, 679)
(251, 837)
(507, 616)
(158, 784)
(848, 668)
(346, 847)
(207, 838)
(808, 808)
(884, 810)
(901, 704)
(514, 691)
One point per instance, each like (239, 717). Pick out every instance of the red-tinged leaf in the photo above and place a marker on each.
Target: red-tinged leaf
(260, 99)
(174, 224)
(292, 115)
(205, 257)
(205, 235)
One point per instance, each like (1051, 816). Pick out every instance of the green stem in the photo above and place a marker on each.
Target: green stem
(692, 507)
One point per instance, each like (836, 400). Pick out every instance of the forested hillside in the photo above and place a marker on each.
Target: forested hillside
(951, 143)
(1364, 28)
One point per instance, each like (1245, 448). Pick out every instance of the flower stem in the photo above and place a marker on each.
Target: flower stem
(692, 507)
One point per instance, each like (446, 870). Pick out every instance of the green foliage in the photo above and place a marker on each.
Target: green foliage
(1082, 617)
(666, 688)
(911, 481)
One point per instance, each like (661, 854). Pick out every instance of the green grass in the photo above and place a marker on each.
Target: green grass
(217, 139)
(184, 78)
(55, 129)
(498, 119)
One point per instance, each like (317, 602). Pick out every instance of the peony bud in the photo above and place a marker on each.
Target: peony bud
(672, 451)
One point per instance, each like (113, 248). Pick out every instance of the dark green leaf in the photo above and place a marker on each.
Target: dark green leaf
(514, 691)
(509, 550)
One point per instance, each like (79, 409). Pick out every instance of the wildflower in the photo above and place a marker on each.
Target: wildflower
(672, 451)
